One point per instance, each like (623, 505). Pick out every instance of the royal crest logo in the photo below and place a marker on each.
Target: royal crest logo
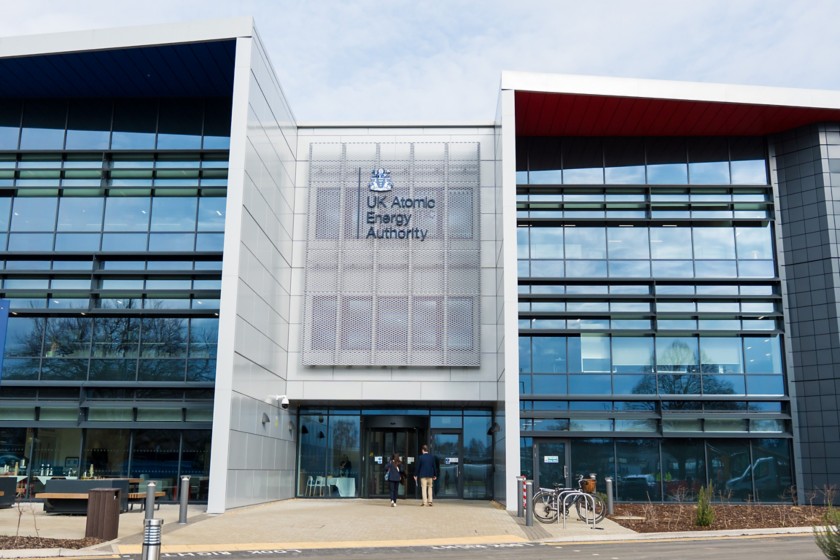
(380, 180)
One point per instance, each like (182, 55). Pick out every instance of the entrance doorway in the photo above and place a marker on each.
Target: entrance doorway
(551, 462)
(447, 448)
(383, 436)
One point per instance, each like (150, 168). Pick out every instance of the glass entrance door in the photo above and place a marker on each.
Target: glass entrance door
(550, 463)
(381, 443)
(446, 446)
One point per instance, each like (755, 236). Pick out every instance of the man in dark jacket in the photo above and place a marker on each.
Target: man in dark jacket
(427, 472)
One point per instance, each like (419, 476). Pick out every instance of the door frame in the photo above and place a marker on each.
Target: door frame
(567, 452)
(460, 468)
(384, 423)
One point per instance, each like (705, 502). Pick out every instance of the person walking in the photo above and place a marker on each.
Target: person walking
(427, 472)
(393, 474)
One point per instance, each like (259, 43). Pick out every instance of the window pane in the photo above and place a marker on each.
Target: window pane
(670, 243)
(763, 354)
(123, 242)
(549, 354)
(748, 161)
(89, 125)
(714, 243)
(632, 354)
(754, 243)
(624, 159)
(211, 213)
(544, 161)
(80, 214)
(180, 124)
(43, 125)
(161, 370)
(683, 468)
(204, 338)
(116, 337)
(721, 355)
(589, 354)
(24, 336)
(217, 124)
(34, 214)
(127, 214)
(628, 243)
(68, 337)
(582, 161)
(134, 124)
(708, 161)
(173, 214)
(770, 471)
(183, 242)
(113, 370)
(676, 354)
(10, 113)
(585, 243)
(666, 159)
(546, 243)
(31, 242)
(164, 337)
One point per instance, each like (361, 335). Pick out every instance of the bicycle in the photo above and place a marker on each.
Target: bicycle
(546, 503)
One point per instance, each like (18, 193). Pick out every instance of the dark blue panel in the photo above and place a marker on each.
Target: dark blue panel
(187, 70)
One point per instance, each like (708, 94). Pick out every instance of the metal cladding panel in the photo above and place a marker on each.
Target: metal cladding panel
(393, 255)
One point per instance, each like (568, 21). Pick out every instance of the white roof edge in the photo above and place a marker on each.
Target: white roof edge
(666, 89)
(396, 124)
(126, 37)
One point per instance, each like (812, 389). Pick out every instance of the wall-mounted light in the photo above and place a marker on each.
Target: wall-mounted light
(291, 426)
(304, 430)
(493, 429)
(321, 435)
(265, 419)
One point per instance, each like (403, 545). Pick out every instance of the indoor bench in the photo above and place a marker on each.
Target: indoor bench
(70, 496)
(140, 498)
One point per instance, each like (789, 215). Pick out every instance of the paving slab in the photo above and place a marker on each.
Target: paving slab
(309, 523)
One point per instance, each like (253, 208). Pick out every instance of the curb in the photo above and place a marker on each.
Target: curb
(117, 550)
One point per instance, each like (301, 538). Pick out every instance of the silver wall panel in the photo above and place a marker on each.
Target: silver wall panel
(392, 277)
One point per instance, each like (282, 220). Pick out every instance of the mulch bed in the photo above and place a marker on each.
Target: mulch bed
(661, 518)
(14, 543)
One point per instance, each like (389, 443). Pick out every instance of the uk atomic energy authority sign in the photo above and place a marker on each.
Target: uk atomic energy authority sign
(392, 260)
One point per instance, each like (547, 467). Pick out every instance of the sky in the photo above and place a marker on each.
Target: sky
(419, 60)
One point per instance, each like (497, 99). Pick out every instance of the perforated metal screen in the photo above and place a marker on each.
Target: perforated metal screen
(392, 259)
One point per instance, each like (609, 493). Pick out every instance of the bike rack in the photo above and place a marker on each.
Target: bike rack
(587, 499)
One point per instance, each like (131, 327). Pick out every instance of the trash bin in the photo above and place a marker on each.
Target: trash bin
(103, 513)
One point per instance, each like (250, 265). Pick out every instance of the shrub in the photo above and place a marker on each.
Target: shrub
(705, 513)
(828, 536)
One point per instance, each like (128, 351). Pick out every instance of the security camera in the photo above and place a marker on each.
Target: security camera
(284, 401)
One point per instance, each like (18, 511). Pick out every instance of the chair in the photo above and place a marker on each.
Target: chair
(310, 486)
(320, 482)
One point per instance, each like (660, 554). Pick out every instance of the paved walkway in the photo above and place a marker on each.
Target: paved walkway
(316, 524)
(307, 523)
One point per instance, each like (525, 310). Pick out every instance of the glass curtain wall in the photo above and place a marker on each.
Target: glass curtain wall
(111, 234)
(650, 307)
(330, 449)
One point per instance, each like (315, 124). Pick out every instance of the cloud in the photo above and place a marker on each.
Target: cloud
(421, 60)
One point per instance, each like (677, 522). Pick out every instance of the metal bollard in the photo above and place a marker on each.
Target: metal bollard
(151, 539)
(520, 490)
(529, 510)
(150, 500)
(610, 509)
(184, 499)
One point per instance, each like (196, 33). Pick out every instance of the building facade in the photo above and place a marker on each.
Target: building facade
(625, 277)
